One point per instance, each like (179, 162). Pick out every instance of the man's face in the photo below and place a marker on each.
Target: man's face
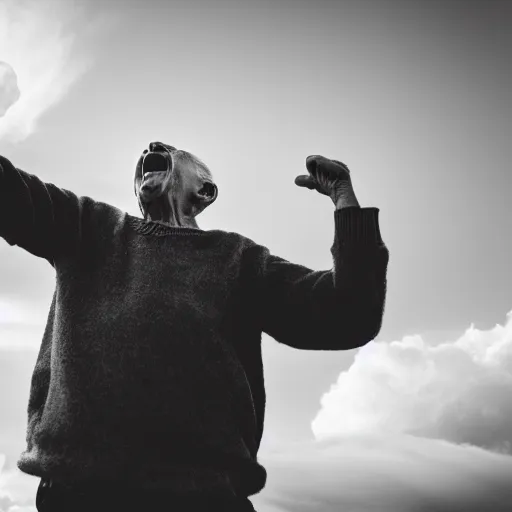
(170, 178)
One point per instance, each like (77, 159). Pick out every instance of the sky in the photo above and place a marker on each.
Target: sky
(414, 96)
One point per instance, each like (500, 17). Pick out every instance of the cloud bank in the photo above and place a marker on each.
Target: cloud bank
(36, 43)
(385, 473)
(458, 391)
(408, 427)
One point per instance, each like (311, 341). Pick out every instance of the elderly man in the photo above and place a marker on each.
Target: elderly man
(148, 389)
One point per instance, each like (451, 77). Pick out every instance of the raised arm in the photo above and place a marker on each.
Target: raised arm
(335, 309)
(39, 217)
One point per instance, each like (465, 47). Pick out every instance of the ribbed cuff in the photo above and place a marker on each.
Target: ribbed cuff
(355, 225)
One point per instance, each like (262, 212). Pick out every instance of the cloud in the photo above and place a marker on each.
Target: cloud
(17, 491)
(9, 91)
(458, 391)
(385, 473)
(36, 43)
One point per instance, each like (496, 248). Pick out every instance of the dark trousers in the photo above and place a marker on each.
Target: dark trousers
(54, 497)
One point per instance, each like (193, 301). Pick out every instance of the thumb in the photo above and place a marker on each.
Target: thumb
(305, 181)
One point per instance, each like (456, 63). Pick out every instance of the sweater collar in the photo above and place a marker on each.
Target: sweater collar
(157, 229)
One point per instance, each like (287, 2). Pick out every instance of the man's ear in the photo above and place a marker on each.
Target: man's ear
(207, 194)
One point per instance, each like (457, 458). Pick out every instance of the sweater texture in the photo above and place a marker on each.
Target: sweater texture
(150, 367)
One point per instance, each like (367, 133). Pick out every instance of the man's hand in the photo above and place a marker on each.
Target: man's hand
(330, 178)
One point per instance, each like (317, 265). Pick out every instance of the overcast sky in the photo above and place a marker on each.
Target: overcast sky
(414, 96)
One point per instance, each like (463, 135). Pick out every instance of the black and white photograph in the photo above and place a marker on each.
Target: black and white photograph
(255, 255)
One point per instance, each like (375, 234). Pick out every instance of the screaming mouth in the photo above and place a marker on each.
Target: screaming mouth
(155, 162)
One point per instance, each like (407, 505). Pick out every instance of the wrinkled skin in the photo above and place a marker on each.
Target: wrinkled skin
(172, 186)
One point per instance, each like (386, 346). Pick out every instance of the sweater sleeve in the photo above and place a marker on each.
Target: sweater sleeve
(36, 216)
(337, 309)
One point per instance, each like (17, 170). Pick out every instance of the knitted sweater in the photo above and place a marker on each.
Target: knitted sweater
(150, 367)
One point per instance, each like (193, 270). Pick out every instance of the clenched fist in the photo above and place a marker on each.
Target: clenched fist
(330, 178)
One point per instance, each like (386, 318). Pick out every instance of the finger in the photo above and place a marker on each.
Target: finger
(306, 181)
(312, 162)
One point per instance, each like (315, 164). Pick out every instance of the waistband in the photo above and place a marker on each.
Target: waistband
(71, 491)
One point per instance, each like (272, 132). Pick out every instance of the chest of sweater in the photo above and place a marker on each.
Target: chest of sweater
(190, 277)
(145, 307)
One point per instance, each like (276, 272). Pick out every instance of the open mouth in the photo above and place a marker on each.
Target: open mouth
(155, 167)
(155, 162)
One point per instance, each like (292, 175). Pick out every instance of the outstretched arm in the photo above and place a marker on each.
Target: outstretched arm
(336, 309)
(39, 217)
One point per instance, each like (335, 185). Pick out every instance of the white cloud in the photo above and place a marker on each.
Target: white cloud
(9, 92)
(385, 473)
(35, 43)
(459, 391)
(17, 490)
